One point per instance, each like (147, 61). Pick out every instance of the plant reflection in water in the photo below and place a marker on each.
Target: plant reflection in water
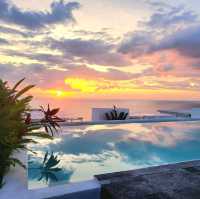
(49, 169)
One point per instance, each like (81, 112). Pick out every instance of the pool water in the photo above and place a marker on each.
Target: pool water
(79, 153)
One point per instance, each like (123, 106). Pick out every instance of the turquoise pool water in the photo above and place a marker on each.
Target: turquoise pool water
(81, 152)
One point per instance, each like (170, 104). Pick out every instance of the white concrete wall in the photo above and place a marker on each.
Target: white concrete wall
(98, 114)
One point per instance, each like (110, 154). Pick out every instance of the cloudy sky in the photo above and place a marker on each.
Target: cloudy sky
(135, 49)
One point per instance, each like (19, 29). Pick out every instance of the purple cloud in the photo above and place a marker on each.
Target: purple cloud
(60, 12)
(186, 42)
(181, 34)
(91, 51)
(166, 16)
(137, 44)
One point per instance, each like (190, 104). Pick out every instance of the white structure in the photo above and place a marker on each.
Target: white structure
(98, 114)
(195, 113)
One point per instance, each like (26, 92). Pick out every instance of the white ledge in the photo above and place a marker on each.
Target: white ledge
(128, 121)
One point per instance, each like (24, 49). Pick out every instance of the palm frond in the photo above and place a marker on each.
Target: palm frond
(17, 84)
(24, 90)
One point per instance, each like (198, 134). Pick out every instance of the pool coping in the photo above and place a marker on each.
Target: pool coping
(170, 181)
(113, 177)
(129, 121)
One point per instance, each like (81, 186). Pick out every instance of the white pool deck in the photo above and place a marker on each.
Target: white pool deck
(16, 186)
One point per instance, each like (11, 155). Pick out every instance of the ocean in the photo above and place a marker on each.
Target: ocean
(82, 108)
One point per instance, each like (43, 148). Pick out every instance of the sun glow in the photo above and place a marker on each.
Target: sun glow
(83, 85)
(59, 93)
(83, 89)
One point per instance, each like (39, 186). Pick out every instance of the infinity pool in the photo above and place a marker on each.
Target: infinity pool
(81, 152)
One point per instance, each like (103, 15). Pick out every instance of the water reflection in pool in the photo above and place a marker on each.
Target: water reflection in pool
(88, 150)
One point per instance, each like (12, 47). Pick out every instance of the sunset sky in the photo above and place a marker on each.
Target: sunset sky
(106, 49)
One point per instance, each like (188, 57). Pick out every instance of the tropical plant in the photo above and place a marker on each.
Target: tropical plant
(115, 115)
(16, 126)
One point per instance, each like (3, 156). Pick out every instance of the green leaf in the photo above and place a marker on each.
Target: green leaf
(24, 90)
(15, 160)
(26, 99)
(41, 135)
(26, 141)
(17, 84)
(34, 126)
